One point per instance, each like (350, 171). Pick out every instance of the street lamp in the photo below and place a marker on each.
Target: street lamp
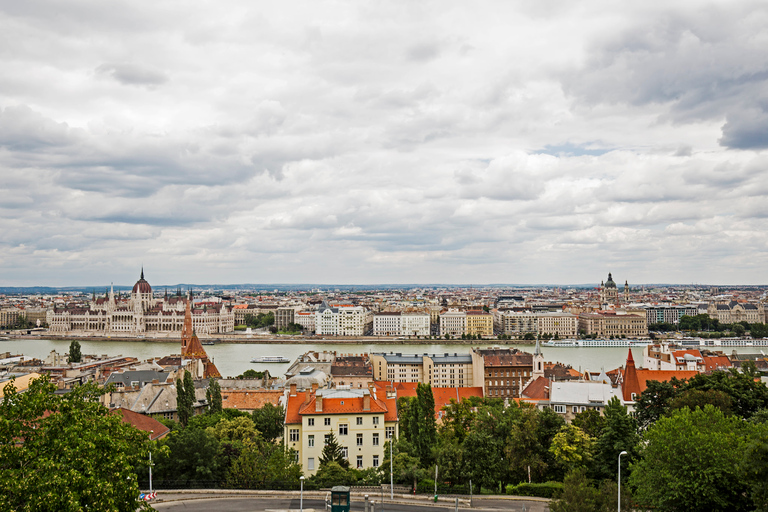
(151, 433)
(622, 453)
(301, 498)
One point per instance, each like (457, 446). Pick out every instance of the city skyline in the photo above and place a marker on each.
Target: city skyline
(360, 143)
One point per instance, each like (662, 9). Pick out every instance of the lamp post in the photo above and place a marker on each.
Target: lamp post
(301, 497)
(391, 480)
(622, 453)
(151, 432)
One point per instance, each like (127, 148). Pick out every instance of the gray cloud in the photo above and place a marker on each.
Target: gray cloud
(133, 74)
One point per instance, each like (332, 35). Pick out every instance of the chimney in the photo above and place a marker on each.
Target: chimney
(318, 403)
(367, 402)
(307, 397)
(314, 386)
(293, 389)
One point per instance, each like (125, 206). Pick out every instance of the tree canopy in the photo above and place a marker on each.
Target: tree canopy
(66, 452)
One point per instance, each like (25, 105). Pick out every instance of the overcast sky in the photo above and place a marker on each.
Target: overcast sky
(383, 142)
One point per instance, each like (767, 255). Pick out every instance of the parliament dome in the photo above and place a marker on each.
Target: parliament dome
(142, 286)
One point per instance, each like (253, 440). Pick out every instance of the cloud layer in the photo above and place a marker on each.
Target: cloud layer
(509, 142)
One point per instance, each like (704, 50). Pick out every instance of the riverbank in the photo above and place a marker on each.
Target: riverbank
(272, 339)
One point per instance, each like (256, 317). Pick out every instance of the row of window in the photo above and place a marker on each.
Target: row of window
(293, 436)
(359, 462)
(327, 422)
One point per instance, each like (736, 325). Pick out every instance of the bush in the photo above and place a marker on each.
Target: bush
(545, 490)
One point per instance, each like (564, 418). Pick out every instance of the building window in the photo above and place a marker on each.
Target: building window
(294, 435)
(375, 420)
(559, 408)
(575, 409)
(326, 421)
(345, 452)
(359, 462)
(326, 438)
(375, 461)
(359, 420)
(311, 422)
(343, 429)
(376, 439)
(390, 432)
(311, 464)
(359, 439)
(310, 441)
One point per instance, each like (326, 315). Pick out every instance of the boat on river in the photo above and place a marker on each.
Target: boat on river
(270, 359)
(596, 343)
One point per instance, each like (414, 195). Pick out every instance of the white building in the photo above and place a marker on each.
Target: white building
(415, 324)
(453, 322)
(565, 325)
(345, 320)
(387, 324)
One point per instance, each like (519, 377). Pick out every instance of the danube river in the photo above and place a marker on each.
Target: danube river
(234, 358)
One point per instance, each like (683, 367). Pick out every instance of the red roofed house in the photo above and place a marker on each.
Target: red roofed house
(148, 424)
(361, 420)
(443, 396)
(634, 380)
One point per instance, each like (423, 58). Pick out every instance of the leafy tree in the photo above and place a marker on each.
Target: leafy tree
(75, 356)
(332, 453)
(418, 423)
(457, 419)
(747, 396)
(269, 421)
(528, 443)
(332, 473)
(237, 429)
(185, 398)
(619, 434)
(263, 465)
(253, 374)
(579, 495)
(76, 457)
(590, 421)
(572, 447)
(693, 398)
(754, 466)
(654, 401)
(213, 396)
(690, 461)
(192, 459)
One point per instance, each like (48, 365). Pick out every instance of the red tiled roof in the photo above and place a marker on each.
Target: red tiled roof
(537, 389)
(717, 362)
(142, 422)
(636, 380)
(296, 406)
(249, 399)
(443, 396)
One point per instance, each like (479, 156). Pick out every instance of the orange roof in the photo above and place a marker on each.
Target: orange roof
(717, 362)
(635, 381)
(240, 306)
(249, 399)
(537, 389)
(443, 396)
(297, 407)
(142, 422)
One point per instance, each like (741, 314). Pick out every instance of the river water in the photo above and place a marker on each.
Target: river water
(233, 359)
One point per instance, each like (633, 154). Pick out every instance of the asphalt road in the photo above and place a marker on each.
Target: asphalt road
(203, 503)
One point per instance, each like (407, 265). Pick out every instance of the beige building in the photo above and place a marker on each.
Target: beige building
(360, 419)
(733, 312)
(506, 372)
(565, 325)
(284, 317)
(616, 324)
(479, 323)
(438, 370)
(9, 316)
(415, 324)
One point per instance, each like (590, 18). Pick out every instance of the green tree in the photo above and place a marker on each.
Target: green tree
(590, 421)
(332, 452)
(422, 424)
(457, 419)
(572, 448)
(332, 473)
(263, 465)
(185, 398)
(747, 395)
(619, 434)
(66, 452)
(654, 402)
(253, 374)
(74, 356)
(269, 421)
(192, 459)
(213, 396)
(690, 461)
(754, 466)
(238, 429)
(693, 398)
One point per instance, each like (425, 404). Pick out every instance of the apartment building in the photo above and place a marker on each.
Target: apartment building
(506, 371)
(415, 324)
(361, 419)
(438, 370)
(479, 323)
(668, 313)
(565, 325)
(453, 322)
(619, 323)
(387, 323)
(343, 320)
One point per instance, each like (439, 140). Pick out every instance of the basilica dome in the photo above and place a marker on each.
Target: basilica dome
(609, 283)
(142, 286)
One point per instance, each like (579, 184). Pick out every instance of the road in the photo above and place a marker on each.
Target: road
(207, 503)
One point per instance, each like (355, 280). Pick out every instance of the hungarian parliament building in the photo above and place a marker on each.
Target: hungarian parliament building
(140, 314)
